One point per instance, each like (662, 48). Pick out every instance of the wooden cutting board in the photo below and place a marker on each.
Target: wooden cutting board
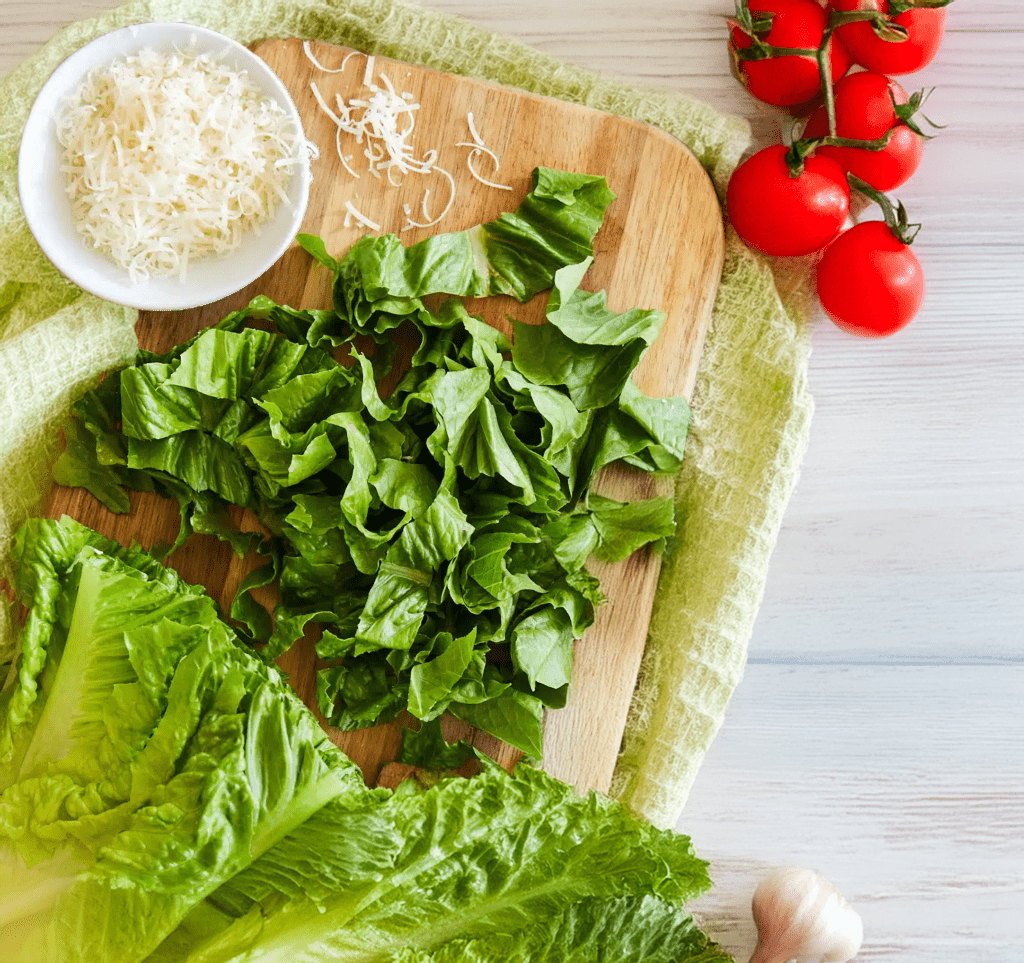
(661, 247)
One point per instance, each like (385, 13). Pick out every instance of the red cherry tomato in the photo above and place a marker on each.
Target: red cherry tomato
(864, 111)
(783, 215)
(866, 48)
(788, 80)
(869, 282)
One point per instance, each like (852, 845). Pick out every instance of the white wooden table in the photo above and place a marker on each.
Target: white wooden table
(878, 734)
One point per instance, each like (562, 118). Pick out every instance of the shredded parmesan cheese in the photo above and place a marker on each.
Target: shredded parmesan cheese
(328, 70)
(410, 223)
(352, 213)
(477, 139)
(345, 158)
(383, 124)
(478, 147)
(170, 157)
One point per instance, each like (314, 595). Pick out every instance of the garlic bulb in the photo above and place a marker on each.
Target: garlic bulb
(801, 917)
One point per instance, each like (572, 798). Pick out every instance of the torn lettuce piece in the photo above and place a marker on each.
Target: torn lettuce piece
(646, 433)
(517, 254)
(361, 692)
(624, 527)
(585, 318)
(514, 717)
(427, 748)
(553, 227)
(398, 600)
(431, 682)
(585, 347)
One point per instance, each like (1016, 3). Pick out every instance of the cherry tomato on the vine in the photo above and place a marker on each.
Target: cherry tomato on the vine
(869, 282)
(784, 215)
(864, 111)
(925, 27)
(791, 79)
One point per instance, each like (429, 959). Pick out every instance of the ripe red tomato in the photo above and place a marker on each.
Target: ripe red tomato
(788, 80)
(866, 48)
(869, 282)
(783, 215)
(864, 111)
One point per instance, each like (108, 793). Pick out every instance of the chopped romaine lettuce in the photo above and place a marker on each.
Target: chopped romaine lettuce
(440, 533)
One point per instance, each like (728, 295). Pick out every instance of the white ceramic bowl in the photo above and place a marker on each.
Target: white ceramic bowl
(47, 208)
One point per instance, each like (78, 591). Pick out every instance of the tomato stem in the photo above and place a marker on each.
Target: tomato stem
(886, 29)
(883, 26)
(837, 19)
(896, 219)
(905, 112)
(757, 27)
(798, 152)
(896, 7)
(759, 50)
(879, 143)
(802, 148)
(825, 72)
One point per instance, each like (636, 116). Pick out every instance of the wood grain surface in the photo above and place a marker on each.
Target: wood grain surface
(661, 246)
(878, 733)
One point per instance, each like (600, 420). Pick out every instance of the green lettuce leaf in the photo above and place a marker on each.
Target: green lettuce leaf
(45, 557)
(486, 868)
(514, 717)
(427, 748)
(518, 254)
(177, 802)
(584, 316)
(622, 527)
(430, 683)
(646, 433)
(553, 227)
(79, 467)
(584, 346)
(158, 758)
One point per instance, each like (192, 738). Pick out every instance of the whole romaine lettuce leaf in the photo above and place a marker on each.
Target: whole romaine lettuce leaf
(158, 757)
(487, 868)
(45, 554)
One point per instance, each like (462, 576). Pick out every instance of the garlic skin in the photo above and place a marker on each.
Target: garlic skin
(801, 917)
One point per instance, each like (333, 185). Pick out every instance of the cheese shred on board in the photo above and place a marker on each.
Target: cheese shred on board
(382, 123)
(171, 157)
(352, 213)
(479, 147)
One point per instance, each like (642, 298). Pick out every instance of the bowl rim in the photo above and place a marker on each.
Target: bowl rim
(167, 292)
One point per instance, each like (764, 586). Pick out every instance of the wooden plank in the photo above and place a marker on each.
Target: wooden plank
(901, 784)
(661, 246)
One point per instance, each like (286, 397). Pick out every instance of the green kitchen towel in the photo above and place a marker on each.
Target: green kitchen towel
(751, 409)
